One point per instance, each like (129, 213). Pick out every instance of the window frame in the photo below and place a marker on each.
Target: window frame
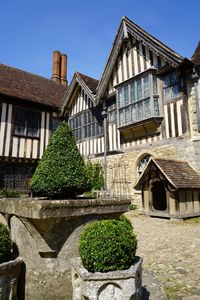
(170, 86)
(152, 96)
(27, 113)
(84, 125)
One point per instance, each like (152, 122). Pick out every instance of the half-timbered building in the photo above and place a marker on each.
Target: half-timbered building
(146, 104)
(29, 107)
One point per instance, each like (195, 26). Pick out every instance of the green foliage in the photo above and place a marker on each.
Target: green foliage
(61, 171)
(9, 194)
(5, 244)
(133, 205)
(108, 245)
(95, 176)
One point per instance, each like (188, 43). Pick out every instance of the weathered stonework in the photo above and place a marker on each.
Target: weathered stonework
(122, 168)
(118, 285)
(9, 276)
(47, 233)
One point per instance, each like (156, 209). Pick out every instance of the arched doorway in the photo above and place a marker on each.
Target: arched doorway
(159, 197)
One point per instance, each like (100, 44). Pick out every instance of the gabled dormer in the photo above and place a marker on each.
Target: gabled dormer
(141, 76)
(84, 117)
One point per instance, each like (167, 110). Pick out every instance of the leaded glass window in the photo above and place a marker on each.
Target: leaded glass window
(54, 124)
(171, 86)
(136, 100)
(142, 164)
(26, 122)
(15, 177)
(85, 125)
(112, 113)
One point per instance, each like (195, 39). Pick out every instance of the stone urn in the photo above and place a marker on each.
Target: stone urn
(112, 285)
(9, 277)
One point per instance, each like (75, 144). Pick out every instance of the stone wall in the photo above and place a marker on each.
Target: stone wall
(192, 108)
(122, 168)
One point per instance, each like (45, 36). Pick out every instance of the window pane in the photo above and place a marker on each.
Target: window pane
(93, 130)
(156, 107)
(175, 90)
(55, 124)
(155, 90)
(79, 134)
(167, 93)
(140, 111)
(121, 97)
(127, 115)
(19, 121)
(126, 96)
(167, 80)
(85, 118)
(99, 128)
(132, 92)
(32, 123)
(139, 89)
(85, 132)
(146, 86)
(134, 113)
(147, 111)
(89, 117)
(121, 117)
(174, 78)
(112, 116)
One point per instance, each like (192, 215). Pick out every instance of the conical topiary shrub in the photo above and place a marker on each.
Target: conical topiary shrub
(61, 171)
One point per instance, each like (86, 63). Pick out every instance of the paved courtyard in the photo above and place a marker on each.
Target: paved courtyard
(171, 250)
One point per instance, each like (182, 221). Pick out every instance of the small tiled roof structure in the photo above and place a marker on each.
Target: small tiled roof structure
(89, 81)
(30, 87)
(196, 55)
(179, 173)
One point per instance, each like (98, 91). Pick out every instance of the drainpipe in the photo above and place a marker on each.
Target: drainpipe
(195, 78)
(104, 115)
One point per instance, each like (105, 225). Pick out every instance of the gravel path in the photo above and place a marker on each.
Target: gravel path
(171, 250)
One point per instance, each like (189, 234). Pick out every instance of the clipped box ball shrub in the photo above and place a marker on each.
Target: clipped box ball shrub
(5, 244)
(108, 245)
(61, 171)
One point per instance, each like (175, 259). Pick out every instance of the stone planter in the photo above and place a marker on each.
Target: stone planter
(9, 276)
(114, 285)
(51, 229)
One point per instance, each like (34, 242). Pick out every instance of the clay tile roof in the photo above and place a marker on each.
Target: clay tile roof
(179, 173)
(196, 55)
(30, 87)
(89, 81)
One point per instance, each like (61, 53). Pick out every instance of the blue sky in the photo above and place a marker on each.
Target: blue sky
(31, 30)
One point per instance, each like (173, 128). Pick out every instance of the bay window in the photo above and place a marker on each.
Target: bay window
(137, 99)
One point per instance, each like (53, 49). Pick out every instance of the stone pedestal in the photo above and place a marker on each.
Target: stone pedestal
(9, 276)
(47, 233)
(114, 285)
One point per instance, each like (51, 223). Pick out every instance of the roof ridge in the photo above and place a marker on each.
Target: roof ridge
(81, 74)
(152, 36)
(29, 73)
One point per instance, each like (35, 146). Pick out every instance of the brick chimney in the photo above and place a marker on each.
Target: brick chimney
(64, 69)
(56, 66)
(59, 68)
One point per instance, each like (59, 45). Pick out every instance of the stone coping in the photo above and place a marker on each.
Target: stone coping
(9, 265)
(40, 208)
(111, 275)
